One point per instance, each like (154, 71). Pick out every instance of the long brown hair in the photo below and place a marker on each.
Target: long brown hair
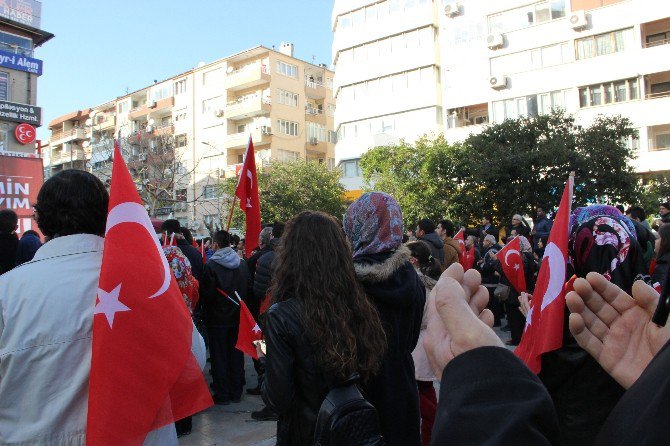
(314, 265)
(664, 234)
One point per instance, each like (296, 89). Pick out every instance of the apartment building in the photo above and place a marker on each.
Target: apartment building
(206, 115)
(513, 58)
(20, 34)
(388, 76)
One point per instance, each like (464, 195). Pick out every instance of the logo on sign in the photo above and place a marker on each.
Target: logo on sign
(25, 133)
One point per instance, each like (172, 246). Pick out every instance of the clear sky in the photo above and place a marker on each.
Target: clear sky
(103, 48)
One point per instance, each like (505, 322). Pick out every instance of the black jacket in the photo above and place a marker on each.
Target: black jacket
(252, 300)
(293, 386)
(488, 266)
(661, 270)
(435, 244)
(489, 397)
(9, 244)
(194, 257)
(395, 289)
(225, 271)
(263, 276)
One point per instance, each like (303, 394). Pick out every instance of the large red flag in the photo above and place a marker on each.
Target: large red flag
(143, 373)
(248, 332)
(544, 323)
(469, 258)
(460, 238)
(512, 264)
(247, 192)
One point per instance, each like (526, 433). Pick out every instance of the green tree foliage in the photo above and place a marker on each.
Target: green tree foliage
(654, 191)
(421, 177)
(508, 168)
(289, 188)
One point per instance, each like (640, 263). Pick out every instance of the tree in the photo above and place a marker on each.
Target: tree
(421, 177)
(288, 188)
(654, 191)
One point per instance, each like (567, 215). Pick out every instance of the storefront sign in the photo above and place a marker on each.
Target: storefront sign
(20, 181)
(28, 12)
(11, 111)
(25, 133)
(20, 62)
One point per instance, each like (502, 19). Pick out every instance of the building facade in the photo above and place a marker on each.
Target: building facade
(205, 117)
(20, 34)
(388, 76)
(589, 57)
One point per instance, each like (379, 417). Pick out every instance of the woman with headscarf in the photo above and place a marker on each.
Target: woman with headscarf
(515, 319)
(601, 240)
(518, 225)
(374, 226)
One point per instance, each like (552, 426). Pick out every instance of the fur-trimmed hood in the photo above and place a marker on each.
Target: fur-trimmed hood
(371, 271)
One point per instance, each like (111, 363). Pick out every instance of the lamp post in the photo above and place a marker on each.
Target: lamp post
(90, 122)
(218, 178)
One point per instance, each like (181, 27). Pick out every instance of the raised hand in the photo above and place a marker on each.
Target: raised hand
(614, 328)
(457, 318)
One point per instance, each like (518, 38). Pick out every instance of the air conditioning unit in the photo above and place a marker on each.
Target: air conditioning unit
(266, 130)
(498, 82)
(495, 41)
(219, 113)
(151, 104)
(313, 141)
(452, 9)
(578, 20)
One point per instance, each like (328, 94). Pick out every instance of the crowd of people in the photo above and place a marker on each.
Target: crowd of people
(358, 300)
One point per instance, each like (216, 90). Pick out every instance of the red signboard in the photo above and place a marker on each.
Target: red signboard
(20, 181)
(25, 133)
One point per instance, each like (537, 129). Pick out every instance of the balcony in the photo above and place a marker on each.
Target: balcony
(73, 134)
(164, 130)
(151, 107)
(64, 157)
(240, 140)
(247, 107)
(315, 115)
(314, 146)
(315, 89)
(108, 122)
(247, 77)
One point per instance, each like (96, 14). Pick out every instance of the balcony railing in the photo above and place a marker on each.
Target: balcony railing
(72, 134)
(313, 84)
(63, 157)
(250, 75)
(660, 94)
(656, 43)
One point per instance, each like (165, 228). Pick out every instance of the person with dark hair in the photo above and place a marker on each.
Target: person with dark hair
(321, 329)
(9, 241)
(620, 208)
(187, 235)
(373, 224)
(46, 319)
(542, 226)
(664, 212)
(429, 269)
(446, 231)
(224, 282)
(645, 237)
(172, 226)
(662, 256)
(490, 277)
(425, 231)
(28, 245)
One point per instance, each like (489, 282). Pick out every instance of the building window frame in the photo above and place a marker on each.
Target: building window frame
(286, 127)
(608, 93)
(287, 69)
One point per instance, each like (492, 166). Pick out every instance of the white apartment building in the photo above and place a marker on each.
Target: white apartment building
(387, 76)
(510, 58)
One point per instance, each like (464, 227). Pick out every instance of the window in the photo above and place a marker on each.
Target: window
(332, 137)
(162, 92)
(180, 195)
(530, 106)
(660, 88)
(16, 44)
(316, 131)
(241, 128)
(287, 127)
(287, 69)
(4, 86)
(658, 39)
(525, 16)
(287, 155)
(609, 92)
(180, 116)
(288, 98)
(180, 86)
(123, 107)
(663, 141)
(531, 59)
(602, 44)
(352, 169)
(331, 107)
(212, 105)
(3, 140)
(213, 77)
(209, 192)
(180, 140)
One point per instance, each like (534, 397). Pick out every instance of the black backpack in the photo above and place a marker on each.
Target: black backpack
(347, 418)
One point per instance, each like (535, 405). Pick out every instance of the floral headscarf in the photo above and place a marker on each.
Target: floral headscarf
(525, 244)
(373, 224)
(603, 240)
(181, 268)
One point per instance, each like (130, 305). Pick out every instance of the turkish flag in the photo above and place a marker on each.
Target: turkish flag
(460, 238)
(247, 192)
(512, 264)
(143, 373)
(469, 259)
(248, 332)
(544, 323)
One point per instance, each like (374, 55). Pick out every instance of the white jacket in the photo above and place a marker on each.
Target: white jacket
(46, 315)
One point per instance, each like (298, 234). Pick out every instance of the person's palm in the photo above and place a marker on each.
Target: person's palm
(615, 328)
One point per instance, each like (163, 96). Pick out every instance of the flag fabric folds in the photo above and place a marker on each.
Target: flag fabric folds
(143, 373)
(247, 193)
(248, 332)
(544, 323)
(460, 238)
(512, 264)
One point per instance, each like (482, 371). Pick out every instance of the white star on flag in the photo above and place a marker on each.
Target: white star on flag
(516, 267)
(256, 329)
(109, 304)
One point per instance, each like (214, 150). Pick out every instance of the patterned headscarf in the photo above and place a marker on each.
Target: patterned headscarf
(373, 224)
(525, 244)
(603, 240)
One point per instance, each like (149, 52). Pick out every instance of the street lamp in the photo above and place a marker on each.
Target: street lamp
(218, 178)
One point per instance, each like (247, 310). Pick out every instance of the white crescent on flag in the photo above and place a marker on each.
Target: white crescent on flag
(556, 274)
(510, 252)
(131, 212)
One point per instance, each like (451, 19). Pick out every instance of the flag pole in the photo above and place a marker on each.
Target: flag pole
(232, 211)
